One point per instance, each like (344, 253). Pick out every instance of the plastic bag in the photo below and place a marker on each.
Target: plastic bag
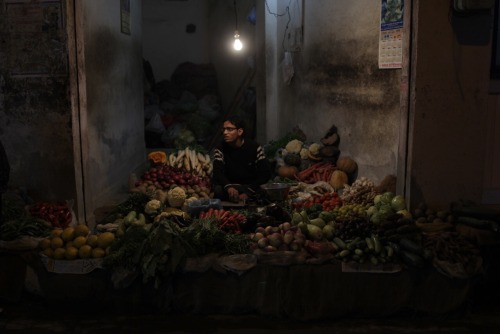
(287, 68)
(155, 124)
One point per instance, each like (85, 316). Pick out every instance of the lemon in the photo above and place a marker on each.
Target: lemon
(71, 253)
(85, 252)
(98, 252)
(59, 253)
(92, 240)
(44, 243)
(79, 241)
(56, 242)
(69, 244)
(105, 239)
(56, 232)
(81, 230)
(48, 252)
(68, 234)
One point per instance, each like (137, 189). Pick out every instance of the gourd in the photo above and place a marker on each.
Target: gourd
(292, 159)
(287, 171)
(347, 164)
(338, 179)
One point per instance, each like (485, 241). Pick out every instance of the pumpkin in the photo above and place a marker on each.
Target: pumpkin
(347, 164)
(338, 179)
(292, 159)
(287, 171)
(157, 157)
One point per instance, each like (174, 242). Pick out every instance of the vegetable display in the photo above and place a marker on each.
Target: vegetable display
(57, 213)
(226, 220)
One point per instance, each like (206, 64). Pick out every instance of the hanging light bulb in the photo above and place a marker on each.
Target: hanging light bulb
(237, 45)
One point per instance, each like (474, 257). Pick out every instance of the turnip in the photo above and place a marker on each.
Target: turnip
(260, 229)
(270, 249)
(275, 239)
(262, 243)
(257, 236)
(268, 230)
(295, 245)
(288, 237)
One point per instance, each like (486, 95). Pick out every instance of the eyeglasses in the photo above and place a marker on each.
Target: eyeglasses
(228, 129)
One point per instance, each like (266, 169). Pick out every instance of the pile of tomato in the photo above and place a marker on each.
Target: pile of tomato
(328, 201)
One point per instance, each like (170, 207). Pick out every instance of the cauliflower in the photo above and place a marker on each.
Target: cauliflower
(304, 153)
(176, 197)
(314, 148)
(152, 207)
(294, 146)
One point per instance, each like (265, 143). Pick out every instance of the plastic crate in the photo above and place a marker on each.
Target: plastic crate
(197, 207)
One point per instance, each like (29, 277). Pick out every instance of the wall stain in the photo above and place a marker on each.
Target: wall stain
(342, 76)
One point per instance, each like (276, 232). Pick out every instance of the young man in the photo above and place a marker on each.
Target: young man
(240, 165)
(4, 175)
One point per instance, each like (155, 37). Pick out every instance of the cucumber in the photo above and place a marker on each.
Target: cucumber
(389, 250)
(370, 244)
(411, 246)
(344, 253)
(476, 212)
(339, 242)
(377, 246)
(353, 243)
(411, 259)
(406, 229)
(483, 224)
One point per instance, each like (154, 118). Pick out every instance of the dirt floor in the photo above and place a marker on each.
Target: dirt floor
(33, 315)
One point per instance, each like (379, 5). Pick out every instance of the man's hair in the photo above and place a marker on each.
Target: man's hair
(238, 122)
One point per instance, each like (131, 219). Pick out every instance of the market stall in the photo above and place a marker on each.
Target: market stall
(316, 242)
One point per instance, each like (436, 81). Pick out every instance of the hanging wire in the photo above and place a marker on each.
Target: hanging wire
(235, 16)
(287, 12)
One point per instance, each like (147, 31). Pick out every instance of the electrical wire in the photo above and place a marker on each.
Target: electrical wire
(287, 12)
(235, 16)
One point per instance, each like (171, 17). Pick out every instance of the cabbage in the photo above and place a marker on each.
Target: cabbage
(387, 197)
(371, 210)
(405, 213)
(398, 203)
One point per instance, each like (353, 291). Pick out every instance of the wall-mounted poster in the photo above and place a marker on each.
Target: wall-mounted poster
(391, 34)
(125, 16)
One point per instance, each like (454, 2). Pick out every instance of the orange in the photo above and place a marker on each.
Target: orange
(105, 239)
(92, 240)
(56, 232)
(98, 253)
(68, 234)
(59, 253)
(71, 253)
(85, 252)
(44, 243)
(81, 230)
(56, 242)
(79, 241)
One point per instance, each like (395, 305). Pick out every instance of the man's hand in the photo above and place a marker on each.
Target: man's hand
(233, 194)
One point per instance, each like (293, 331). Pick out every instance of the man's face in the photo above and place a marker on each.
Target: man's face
(231, 133)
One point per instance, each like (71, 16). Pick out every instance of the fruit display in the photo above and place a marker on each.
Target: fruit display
(76, 242)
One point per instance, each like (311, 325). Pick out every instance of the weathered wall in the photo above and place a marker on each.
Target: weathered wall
(448, 144)
(35, 113)
(337, 82)
(112, 100)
